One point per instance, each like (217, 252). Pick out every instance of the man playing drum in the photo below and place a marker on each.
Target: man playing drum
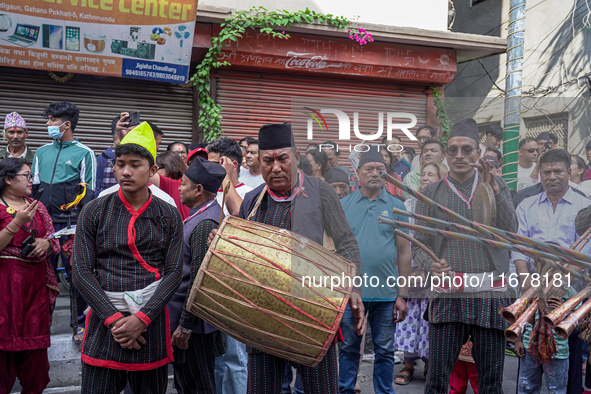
(309, 207)
(473, 312)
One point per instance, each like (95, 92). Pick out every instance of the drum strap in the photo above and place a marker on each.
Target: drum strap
(327, 242)
(257, 204)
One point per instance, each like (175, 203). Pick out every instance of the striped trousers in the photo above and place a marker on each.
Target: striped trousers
(445, 343)
(194, 367)
(266, 373)
(101, 380)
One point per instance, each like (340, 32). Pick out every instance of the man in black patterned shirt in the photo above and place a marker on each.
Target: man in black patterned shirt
(473, 311)
(307, 206)
(127, 264)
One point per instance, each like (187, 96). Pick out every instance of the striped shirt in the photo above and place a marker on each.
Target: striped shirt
(120, 249)
(462, 256)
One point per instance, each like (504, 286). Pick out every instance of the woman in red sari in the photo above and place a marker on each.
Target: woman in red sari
(28, 287)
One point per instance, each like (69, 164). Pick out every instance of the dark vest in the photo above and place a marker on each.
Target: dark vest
(306, 218)
(177, 302)
(441, 195)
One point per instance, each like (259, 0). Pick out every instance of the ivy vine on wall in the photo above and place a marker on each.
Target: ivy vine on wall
(444, 122)
(273, 23)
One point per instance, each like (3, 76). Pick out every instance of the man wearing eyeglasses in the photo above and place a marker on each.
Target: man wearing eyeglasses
(527, 157)
(465, 309)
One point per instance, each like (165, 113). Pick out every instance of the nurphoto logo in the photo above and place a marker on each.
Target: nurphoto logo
(316, 119)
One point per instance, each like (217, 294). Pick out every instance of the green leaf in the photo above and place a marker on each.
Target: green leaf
(234, 28)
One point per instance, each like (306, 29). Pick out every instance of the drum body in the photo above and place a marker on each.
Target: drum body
(271, 289)
(484, 207)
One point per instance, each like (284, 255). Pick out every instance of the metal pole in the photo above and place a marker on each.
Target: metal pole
(513, 85)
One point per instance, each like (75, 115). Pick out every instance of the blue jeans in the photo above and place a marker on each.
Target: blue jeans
(381, 321)
(530, 375)
(230, 368)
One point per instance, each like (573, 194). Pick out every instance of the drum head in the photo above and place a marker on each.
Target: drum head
(484, 207)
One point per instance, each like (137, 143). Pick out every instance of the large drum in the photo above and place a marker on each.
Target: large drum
(271, 289)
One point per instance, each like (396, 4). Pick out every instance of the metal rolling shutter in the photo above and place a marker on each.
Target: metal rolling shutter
(251, 99)
(29, 91)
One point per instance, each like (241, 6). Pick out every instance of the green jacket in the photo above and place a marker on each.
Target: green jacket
(30, 153)
(59, 167)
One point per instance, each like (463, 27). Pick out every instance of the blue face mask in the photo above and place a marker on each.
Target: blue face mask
(54, 131)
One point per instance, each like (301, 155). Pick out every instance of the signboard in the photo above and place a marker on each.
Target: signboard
(341, 56)
(145, 39)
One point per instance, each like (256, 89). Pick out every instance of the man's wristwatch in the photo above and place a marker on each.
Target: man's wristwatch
(186, 331)
(404, 297)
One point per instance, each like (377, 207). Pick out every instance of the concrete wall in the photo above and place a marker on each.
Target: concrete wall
(555, 72)
(488, 18)
(384, 12)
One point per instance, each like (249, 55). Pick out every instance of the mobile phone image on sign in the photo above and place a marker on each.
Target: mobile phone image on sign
(72, 38)
(53, 37)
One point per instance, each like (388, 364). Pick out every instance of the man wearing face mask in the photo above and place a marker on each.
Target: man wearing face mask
(59, 167)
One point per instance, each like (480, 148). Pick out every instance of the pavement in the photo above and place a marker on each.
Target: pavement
(65, 365)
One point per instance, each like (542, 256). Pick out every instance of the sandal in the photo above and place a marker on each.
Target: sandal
(406, 378)
(77, 339)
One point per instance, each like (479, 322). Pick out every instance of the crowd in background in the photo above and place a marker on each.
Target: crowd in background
(68, 171)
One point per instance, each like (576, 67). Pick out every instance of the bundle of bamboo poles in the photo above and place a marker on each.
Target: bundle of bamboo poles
(563, 319)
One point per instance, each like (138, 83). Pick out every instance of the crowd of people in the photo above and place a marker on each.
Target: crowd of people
(144, 221)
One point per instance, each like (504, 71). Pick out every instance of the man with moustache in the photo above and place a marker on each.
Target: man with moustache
(454, 317)
(384, 256)
(307, 206)
(16, 133)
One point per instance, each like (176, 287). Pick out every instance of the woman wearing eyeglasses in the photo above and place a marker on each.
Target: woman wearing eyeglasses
(28, 287)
